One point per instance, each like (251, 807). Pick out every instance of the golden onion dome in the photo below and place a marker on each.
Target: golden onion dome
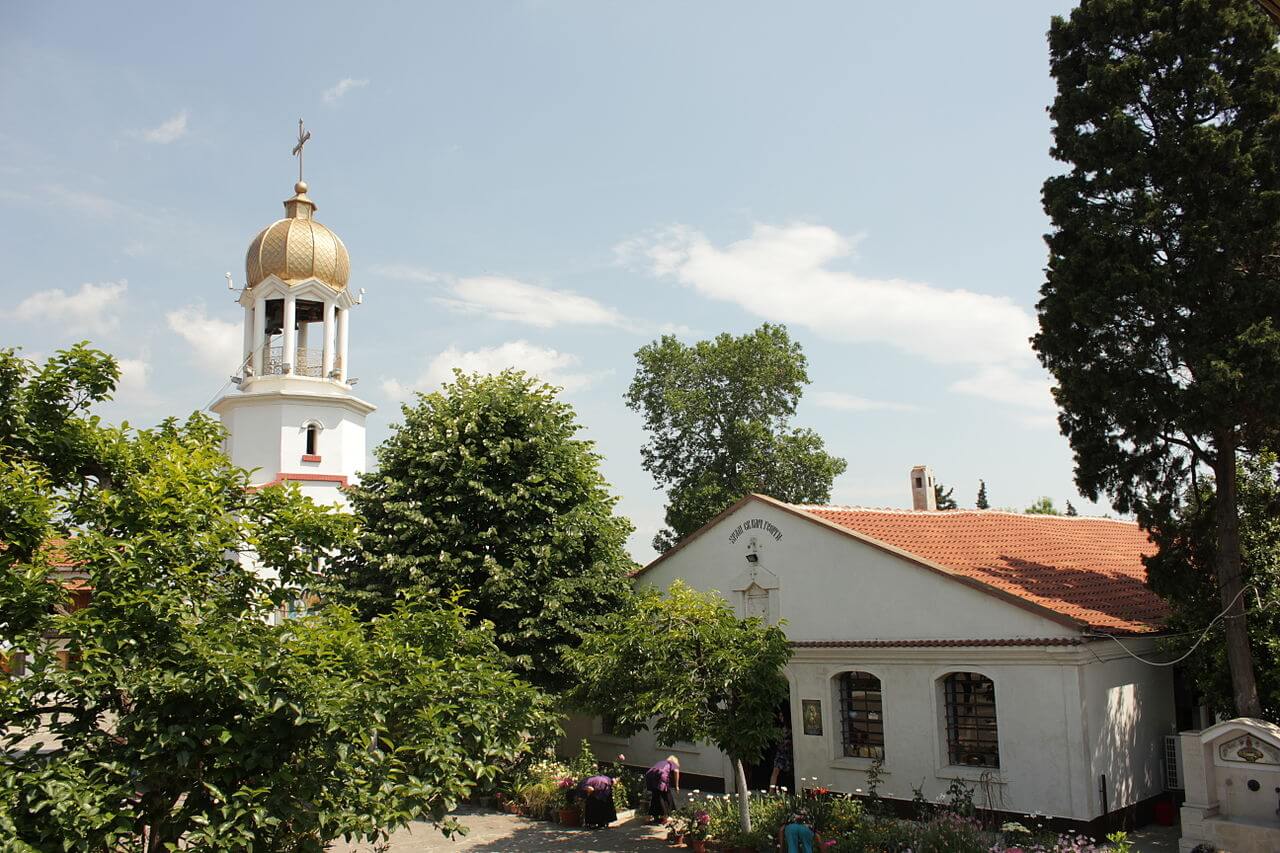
(298, 248)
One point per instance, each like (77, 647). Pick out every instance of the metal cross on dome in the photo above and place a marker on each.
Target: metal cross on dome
(303, 136)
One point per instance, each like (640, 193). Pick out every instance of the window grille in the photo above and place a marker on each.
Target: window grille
(861, 715)
(971, 720)
(1172, 763)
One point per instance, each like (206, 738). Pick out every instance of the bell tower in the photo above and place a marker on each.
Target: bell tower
(293, 416)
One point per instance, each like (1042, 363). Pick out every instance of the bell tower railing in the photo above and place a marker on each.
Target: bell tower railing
(307, 362)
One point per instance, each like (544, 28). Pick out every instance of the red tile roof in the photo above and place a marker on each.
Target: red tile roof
(1087, 569)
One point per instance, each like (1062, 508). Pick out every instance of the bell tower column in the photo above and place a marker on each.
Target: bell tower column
(342, 344)
(326, 365)
(259, 332)
(248, 335)
(289, 351)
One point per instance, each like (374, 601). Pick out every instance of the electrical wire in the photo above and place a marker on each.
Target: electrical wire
(1203, 635)
(225, 385)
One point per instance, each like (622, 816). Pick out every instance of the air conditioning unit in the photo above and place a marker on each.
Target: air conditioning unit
(1172, 763)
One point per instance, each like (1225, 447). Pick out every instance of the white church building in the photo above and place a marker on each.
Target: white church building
(956, 645)
(293, 416)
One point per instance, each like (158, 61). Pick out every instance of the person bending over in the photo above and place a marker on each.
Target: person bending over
(797, 835)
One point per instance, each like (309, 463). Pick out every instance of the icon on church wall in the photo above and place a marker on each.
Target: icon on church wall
(811, 713)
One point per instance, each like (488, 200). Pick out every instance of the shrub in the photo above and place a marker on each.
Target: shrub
(584, 764)
(844, 816)
(952, 833)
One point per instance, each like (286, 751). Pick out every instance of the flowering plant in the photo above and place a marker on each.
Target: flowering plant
(568, 786)
(698, 827)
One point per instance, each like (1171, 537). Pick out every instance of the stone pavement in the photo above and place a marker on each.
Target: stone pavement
(494, 832)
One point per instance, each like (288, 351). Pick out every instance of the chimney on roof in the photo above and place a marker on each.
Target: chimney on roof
(922, 494)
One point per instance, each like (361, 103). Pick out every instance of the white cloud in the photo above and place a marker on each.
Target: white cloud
(93, 309)
(506, 298)
(1027, 391)
(404, 272)
(520, 302)
(168, 131)
(785, 274)
(549, 365)
(1006, 385)
(135, 378)
(843, 402)
(216, 345)
(346, 84)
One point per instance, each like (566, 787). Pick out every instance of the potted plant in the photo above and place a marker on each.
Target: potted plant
(570, 814)
(677, 827)
(698, 828)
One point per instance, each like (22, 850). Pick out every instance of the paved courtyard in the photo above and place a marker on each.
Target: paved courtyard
(493, 832)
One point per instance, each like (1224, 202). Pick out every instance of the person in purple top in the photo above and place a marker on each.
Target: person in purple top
(661, 780)
(597, 801)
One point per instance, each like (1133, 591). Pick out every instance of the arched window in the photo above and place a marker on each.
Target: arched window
(861, 715)
(313, 439)
(972, 737)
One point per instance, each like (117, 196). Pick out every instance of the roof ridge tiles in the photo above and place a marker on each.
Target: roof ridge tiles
(957, 512)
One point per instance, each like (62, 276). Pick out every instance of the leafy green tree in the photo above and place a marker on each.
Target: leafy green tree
(1071, 510)
(982, 503)
(486, 493)
(171, 712)
(1042, 506)
(719, 415)
(1182, 571)
(943, 498)
(684, 665)
(1158, 318)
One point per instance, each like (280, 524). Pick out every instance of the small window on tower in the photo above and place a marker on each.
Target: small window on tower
(313, 439)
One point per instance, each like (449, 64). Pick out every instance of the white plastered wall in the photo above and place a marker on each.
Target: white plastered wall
(1129, 708)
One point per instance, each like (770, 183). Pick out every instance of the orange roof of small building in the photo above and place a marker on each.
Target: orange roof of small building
(1087, 569)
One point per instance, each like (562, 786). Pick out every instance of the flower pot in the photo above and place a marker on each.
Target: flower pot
(570, 817)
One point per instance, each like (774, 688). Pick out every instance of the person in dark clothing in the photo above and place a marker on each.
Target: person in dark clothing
(662, 781)
(783, 757)
(597, 801)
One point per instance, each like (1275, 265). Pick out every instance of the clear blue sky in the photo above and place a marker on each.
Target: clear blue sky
(554, 184)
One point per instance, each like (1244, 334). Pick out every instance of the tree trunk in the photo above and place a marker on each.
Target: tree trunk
(744, 801)
(1230, 580)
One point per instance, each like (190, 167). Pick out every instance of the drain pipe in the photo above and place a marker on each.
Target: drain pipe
(1102, 790)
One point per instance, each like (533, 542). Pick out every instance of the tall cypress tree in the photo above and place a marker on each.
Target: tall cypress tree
(1160, 315)
(982, 503)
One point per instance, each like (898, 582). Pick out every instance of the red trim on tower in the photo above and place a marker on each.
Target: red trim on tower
(311, 457)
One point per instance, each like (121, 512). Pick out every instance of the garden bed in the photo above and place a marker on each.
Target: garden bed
(848, 824)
